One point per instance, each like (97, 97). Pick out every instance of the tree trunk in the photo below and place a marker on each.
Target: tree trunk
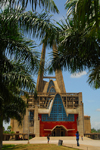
(1, 131)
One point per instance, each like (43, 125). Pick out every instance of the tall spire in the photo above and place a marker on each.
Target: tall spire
(58, 73)
(39, 86)
(59, 76)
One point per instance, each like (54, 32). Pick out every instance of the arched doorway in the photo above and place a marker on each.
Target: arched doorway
(59, 131)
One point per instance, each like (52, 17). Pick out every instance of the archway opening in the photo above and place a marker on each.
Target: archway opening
(59, 131)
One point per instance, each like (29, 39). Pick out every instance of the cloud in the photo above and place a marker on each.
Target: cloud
(98, 109)
(4, 5)
(78, 75)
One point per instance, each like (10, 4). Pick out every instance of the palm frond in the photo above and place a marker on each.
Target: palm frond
(48, 5)
(94, 77)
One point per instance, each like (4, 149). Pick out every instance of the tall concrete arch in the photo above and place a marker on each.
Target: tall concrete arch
(58, 73)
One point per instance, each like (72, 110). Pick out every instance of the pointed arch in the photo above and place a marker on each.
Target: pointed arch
(59, 126)
(51, 83)
(58, 112)
(52, 90)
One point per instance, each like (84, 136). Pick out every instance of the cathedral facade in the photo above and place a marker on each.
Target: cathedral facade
(55, 112)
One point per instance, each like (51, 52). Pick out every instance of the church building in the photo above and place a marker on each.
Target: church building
(55, 112)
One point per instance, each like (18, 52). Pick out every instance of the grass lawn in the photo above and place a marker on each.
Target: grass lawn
(35, 147)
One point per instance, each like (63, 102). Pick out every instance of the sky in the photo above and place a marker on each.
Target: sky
(75, 83)
(78, 83)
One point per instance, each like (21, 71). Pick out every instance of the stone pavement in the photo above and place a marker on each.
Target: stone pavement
(86, 144)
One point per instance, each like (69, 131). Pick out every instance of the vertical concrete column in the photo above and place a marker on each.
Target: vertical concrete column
(39, 85)
(36, 122)
(26, 119)
(87, 124)
(80, 125)
(26, 122)
(58, 74)
(39, 101)
(66, 102)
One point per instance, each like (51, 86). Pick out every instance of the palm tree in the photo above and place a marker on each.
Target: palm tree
(14, 82)
(84, 13)
(48, 5)
(15, 76)
(94, 77)
(79, 39)
(18, 60)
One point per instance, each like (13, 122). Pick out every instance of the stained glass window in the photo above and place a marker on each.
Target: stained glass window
(50, 84)
(58, 112)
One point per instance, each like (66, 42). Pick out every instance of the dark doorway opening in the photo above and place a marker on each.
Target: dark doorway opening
(59, 131)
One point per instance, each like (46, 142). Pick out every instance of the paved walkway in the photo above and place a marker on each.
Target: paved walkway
(86, 144)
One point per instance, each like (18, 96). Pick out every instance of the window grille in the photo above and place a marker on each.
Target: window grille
(50, 84)
(31, 115)
(58, 112)
(52, 90)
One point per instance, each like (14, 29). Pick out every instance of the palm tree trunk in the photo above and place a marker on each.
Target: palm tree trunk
(1, 131)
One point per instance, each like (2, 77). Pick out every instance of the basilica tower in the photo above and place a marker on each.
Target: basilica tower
(55, 112)
(58, 73)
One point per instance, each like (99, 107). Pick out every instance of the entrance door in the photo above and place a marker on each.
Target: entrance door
(58, 131)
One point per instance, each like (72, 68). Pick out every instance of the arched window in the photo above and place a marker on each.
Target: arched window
(50, 84)
(52, 90)
(58, 112)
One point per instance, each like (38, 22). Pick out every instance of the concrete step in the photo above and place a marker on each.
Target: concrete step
(60, 138)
